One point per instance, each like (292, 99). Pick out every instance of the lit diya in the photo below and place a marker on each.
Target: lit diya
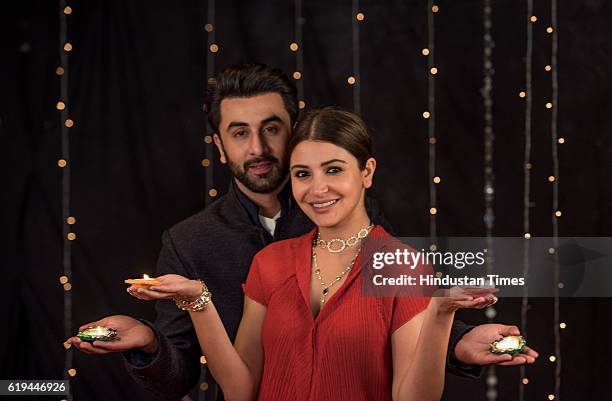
(144, 282)
(97, 333)
(508, 345)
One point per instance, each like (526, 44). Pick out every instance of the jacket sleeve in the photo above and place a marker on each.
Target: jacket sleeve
(175, 368)
(453, 365)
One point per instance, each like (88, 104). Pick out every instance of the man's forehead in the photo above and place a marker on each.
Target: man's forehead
(252, 110)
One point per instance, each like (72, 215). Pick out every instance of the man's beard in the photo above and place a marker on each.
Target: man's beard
(260, 183)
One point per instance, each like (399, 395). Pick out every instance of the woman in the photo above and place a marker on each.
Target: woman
(307, 332)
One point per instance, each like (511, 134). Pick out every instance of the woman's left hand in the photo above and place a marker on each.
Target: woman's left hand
(450, 300)
(172, 286)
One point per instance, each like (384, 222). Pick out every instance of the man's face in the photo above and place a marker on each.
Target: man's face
(254, 133)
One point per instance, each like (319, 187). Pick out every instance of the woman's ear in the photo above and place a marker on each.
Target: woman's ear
(219, 145)
(368, 172)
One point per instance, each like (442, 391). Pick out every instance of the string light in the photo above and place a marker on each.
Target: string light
(551, 178)
(212, 192)
(436, 180)
(62, 163)
(59, 71)
(525, 380)
(60, 105)
(63, 280)
(549, 29)
(213, 47)
(489, 178)
(425, 52)
(298, 23)
(203, 360)
(68, 46)
(72, 372)
(433, 211)
(552, 358)
(547, 68)
(562, 325)
(355, 78)
(527, 94)
(69, 123)
(433, 70)
(203, 386)
(561, 140)
(68, 10)
(549, 105)
(551, 397)
(360, 16)
(426, 114)
(435, 8)
(71, 236)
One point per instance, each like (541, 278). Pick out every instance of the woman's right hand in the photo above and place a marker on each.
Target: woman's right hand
(172, 286)
(450, 300)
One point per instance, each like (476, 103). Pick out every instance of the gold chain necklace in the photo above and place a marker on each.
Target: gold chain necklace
(351, 241)
(338, 278)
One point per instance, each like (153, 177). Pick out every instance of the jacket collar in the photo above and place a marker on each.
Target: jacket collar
(284, 196)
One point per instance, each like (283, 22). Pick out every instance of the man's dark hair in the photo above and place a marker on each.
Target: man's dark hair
(248, 80)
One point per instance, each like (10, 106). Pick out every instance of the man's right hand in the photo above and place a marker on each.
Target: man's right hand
(131, 334)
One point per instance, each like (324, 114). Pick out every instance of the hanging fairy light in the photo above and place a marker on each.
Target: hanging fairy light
(429, 115)
(68, 220)
(212, 49)
(527, 166)
(489, 177)
(555, 142)
(354, 80)
(298, 74)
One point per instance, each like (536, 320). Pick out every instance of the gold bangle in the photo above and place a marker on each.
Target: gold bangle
(197, 304)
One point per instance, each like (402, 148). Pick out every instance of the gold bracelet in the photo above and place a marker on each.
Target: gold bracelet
(197, 304)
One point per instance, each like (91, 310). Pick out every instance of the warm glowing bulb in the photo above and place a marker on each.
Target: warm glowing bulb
(214, 48)
(351, 80)
(547, 68)
(533, 18)
(294, 47)
(71, 236)
(208, 139)
(436, 180)
(525, 380)
(425, 52)
(426, 114)
(561, 140)
(61, 163)
(552, 358)
(203, 360)
(522, 94)
(435, 9)
(551, 397)
(72, 372)
(68, 47)
(561, 285)
(297, 75)
(551, 250)
(551, 178)
(558, 213)
(67, 10)
(208, 28)
(433, 70)
(205, 162)
(203, 386)
(212, 193)
(432, 140)
(527, 235)
(562, 325)
(360, 16)
(71, 220)
(67, 287)
(69, 123)
(301, 104)
(433, 210)
(59, 71)
(60, 105)
(549, 105)
(63, 280)
(549, 29)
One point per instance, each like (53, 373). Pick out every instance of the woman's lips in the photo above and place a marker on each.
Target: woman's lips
(321, 207)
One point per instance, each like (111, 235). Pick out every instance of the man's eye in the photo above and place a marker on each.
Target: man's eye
(240, 133)
(271, 130)
(301, 174)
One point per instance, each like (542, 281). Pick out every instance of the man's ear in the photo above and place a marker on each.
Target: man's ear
(219, 145)
(368, 172)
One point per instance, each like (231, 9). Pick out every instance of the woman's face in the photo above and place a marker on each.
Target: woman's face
(327, 182)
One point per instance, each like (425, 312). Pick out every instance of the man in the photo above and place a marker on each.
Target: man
(252, 108)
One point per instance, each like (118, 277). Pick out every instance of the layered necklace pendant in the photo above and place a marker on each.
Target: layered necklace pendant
(351, 241)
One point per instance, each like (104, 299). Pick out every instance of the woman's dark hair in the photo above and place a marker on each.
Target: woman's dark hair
(248, 80)
(335, 125)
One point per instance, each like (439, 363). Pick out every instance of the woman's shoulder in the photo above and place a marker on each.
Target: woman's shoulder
(282, 249)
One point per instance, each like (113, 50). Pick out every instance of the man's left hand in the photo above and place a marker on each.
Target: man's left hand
(474, 348)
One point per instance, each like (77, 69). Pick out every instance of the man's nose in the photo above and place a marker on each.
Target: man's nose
(258, 144)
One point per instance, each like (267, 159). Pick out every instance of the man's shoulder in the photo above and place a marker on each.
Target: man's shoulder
(217, 216)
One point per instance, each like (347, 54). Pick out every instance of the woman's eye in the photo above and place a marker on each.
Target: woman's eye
(301, 174)
(334, 170)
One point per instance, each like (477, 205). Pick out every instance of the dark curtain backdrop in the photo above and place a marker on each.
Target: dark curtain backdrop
(137, 74)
